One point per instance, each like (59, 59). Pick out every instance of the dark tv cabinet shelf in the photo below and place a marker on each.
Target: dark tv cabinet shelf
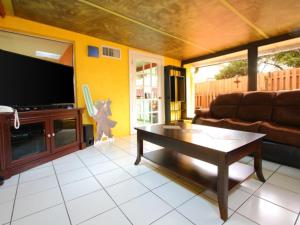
(44, 135)
(175, 93)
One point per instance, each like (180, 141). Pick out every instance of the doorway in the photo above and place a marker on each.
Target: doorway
(146, 90)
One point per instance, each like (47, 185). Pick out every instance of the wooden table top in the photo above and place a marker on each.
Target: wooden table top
(219, 139)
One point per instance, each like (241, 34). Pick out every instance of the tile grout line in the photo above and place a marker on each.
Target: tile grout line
(105, 192)
(298, 218)
(150, 190)
(15, 199)
(236, 211)
(63, 198)
(50, 207)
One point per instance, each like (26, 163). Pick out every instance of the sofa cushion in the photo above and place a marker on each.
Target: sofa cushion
(256, 106)
(281, 134)
(286, 109)
(236, 124)
(210, 122)
(225, 106)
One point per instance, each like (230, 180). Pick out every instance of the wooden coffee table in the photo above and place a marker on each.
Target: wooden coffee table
(205, 155)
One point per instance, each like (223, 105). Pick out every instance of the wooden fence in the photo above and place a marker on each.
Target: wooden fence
(206, 92)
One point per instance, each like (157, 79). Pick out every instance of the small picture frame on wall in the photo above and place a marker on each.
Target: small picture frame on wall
(93, 51)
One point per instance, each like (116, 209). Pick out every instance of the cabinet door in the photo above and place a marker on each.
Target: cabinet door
(64, 132)
(30, 141)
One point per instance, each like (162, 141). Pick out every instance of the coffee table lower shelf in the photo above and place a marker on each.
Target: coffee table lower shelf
(196, 170)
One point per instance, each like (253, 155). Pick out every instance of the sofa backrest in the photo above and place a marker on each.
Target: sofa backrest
(226, 106)
(286, 108)
(256, 106)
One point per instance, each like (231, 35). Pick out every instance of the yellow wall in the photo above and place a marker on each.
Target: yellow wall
(107, 78)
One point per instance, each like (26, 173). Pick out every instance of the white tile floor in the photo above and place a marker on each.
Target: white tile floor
(101, 186)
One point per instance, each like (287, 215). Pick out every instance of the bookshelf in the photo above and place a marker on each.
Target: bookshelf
(175, 93)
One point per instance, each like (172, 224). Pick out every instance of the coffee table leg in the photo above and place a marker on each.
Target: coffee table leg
(139, 149)
(258, 164)
(222, 188)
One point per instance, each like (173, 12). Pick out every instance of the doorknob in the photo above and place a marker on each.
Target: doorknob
(53, 134)
(49, 135)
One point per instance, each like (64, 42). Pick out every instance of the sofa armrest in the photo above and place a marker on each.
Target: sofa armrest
(204, 113)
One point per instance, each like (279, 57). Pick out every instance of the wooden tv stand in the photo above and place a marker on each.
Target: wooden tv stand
(44, 135)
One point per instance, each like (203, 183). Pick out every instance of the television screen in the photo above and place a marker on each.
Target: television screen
(27, 81)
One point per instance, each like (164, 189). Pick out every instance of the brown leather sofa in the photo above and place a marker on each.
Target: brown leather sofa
(276, 114)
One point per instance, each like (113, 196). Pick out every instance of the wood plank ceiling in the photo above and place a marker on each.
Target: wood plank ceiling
(181, 29)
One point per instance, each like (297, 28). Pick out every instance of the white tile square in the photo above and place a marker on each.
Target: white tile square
(125, 161)
(113, 177)
(282, 197)
(64, 167)
(7, 194)
(36, 174)
(174, 194)
(246, 159)
(43, 166)
(36, 202)
(111, 217)
(145, 209)
(66, 159)
(36, 186)
(285, 182)
(172, 218)
(152, 179)
(88, 153)
(95, 160)
(88, 206)
(12, 181)
(237, 219)
(74, 175)
(266, 213)
(250, 185)
(202, 211)
(55, 215)
(137, 170)
(289, 171)
(102, 167)
(6, 211)
(235, 199)
(126, 190)
(79, 188)
(116, 154)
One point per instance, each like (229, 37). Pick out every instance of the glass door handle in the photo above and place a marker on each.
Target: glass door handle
(53, 134)
(49, 135)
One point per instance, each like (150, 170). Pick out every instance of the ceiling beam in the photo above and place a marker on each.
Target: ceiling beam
(283, 37)
(86, 2)
(2, 11)
(245, 19)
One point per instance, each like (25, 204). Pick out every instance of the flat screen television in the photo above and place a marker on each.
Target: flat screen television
(30, 82)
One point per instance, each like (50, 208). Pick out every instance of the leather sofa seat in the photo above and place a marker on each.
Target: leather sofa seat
(287, 108)
(276, 114)
(236, 124)
(225, 106)
(210, 122)
(256, 106)
(281, 134)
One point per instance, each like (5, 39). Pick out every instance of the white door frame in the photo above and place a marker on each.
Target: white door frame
(133, 55)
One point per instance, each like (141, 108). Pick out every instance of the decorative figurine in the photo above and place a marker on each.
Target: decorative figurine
(104, 124)
(100, 111)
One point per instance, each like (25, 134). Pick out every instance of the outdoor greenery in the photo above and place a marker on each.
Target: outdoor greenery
(279, 60)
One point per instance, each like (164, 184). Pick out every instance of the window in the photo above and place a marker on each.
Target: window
(221, 75)
(279, 66)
